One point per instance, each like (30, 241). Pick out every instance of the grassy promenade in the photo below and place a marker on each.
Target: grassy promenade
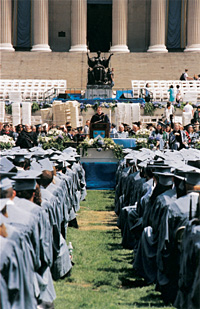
(102, 276)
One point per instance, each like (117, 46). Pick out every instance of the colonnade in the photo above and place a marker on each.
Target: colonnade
(119, 26)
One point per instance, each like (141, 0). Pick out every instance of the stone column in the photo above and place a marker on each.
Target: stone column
(193, 26)
(5, 30)
(157, 33)
(119, 26)
(41, 26)
(78, 26)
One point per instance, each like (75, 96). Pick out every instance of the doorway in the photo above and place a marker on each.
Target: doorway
(99, 27)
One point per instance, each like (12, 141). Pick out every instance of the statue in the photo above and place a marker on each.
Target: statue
(98, 71)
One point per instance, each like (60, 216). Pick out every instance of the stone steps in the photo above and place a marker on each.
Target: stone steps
(73, 67)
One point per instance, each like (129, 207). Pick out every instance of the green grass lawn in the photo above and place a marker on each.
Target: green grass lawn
(103, 276)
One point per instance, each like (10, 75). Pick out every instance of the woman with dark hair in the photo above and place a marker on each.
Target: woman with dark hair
(191, 136)
(169, 112)
(196, 118)
(171, 94)
(27, 138)
(157, 134)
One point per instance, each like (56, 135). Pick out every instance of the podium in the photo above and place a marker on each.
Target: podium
(99, 129)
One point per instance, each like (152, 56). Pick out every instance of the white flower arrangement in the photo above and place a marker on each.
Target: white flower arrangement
(55, 132)
(143, 132)
(101, 144)
(45, 139)
(142, 140)
(6, 142)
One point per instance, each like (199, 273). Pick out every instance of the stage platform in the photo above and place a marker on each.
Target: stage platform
(100, 175)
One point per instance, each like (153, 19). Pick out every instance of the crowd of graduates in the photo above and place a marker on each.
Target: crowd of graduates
(157, 200)
(40, 193)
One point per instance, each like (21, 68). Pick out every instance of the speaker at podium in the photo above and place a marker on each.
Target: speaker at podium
(99, 130)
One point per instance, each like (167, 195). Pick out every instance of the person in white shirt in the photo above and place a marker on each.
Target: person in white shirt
(188, 109)
(121, 133)
(86, 127)
(113, 129)
(169, 112)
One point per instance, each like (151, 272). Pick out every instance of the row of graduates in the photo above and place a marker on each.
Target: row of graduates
(157, 201)
(40, 195)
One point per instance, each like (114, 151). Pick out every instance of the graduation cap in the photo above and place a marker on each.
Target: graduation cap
(69, 150)
(162, 124)
(35, 166)
(6, 183)
(160, 168)
(129, 156)
(46, 165)
(3, 202)
(26, 180)
(143, 164)
(70, 159)
(193, 178)
(19, 158)
(6, 165)
(165, 178)
(195, 163)
(126, 150)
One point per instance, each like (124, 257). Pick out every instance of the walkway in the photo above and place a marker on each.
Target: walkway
(102, 276)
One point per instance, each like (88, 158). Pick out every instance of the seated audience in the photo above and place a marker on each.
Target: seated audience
(177, 138)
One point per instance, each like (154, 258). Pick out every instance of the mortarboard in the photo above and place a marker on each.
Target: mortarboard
(35, 166)
(162, 124)
(46, 165)
(6, 183)
(3, 202)
(195, 163)
(6, 165)
(19, 158)
(26, 180)
(193, 178)
(160, 168)
(165, 178)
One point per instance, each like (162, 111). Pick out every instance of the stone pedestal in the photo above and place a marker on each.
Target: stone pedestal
(98, 91)
(98, 156)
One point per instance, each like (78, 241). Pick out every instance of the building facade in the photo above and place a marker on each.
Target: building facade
(118, 26)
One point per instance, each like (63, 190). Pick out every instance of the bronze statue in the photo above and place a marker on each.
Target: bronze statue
(98, 71)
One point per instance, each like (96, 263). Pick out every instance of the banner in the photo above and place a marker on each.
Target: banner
(24, 23)
(174, 24)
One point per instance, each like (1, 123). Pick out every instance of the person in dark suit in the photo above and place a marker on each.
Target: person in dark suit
(177, 138)
(99, 117)
(27, 138)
